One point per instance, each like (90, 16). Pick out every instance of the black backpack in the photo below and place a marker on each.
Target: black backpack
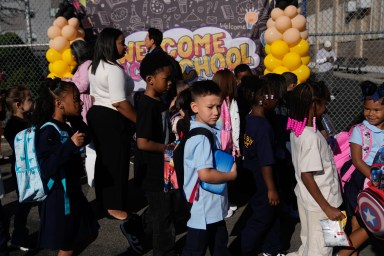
(178, 154)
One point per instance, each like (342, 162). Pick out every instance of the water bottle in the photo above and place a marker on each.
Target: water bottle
(328, 124)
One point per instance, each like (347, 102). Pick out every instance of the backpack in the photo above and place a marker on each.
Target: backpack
(342, 155)
(226, 129)
(29, 182)
(371, 209)
(222, 161)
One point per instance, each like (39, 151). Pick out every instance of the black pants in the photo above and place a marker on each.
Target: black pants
(4, 234)
(215, 237)
(111, 135)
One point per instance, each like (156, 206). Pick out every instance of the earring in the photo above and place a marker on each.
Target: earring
(314, 124)
(272, 96)
(266, 96)
(260, 103)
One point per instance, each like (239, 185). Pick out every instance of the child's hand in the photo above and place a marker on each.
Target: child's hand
(273, 197)
(78, 139)
(334, 213)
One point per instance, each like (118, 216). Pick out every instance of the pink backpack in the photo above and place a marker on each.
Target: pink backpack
(226, 129)
(342, 152)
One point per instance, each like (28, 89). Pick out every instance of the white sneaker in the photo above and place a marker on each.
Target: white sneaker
(232, 207)
(229, 214)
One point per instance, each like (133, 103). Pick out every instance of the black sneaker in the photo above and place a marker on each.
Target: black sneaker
(132, 230)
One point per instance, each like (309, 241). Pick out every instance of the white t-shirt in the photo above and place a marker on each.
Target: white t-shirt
(311, 153)
(109, 85)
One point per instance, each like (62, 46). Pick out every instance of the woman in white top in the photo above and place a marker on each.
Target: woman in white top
(110, 120)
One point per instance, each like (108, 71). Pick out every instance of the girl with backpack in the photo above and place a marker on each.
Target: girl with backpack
(229, 120)
(373, 100)
(67, 222)
(20, 104)
(318, 191)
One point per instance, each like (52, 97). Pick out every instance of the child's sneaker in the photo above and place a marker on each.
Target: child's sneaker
(232, 207)
(278, 254)
(131, 229)
(229, 214)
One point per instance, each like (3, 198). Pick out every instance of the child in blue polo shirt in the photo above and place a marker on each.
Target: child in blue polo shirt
(206, 226)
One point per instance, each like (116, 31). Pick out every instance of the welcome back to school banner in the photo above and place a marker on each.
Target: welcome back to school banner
(207, 35)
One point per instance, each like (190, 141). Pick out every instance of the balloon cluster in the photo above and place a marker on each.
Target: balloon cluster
(62, 34)
(287, 47)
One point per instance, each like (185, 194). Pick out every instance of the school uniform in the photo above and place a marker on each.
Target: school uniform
(206, 226)
(59, 230)
(264, 224)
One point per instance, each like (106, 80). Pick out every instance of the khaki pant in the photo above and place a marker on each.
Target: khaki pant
(311, 234)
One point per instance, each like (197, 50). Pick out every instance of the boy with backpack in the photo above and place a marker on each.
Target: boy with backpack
(206, 226)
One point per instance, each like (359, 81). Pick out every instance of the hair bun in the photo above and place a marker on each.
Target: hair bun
(368, 88)
(52, 83)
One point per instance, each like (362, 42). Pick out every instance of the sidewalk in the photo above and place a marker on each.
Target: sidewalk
(111, 241)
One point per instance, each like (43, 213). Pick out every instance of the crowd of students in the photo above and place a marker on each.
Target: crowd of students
(275, 137)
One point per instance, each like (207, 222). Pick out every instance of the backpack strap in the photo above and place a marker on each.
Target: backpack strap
(63, 138)
(366, 137)
(207, 133)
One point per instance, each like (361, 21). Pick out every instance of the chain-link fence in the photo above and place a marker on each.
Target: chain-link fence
(355, 29)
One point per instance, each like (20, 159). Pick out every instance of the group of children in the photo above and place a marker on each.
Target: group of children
(273, 122)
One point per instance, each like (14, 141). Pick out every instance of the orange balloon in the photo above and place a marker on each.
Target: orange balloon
(74, 22)
(272, 34)
(60, 43)
(299, 22)
(60, 22)
(53, 31)
(290, 11)
(270, 23)
(69, 32)
(270, 62)
(51, 43)
(292, 36)
(276, 12)
(283, 23)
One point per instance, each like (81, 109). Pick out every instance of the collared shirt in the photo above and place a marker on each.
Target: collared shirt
(321, 60)
(311, 153)
(377, 140)
(208, 208)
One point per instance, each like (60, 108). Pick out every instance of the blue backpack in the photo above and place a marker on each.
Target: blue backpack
(30, 185)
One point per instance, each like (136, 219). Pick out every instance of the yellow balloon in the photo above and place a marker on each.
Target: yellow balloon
(68, 75)
(52, 55)
(51, 75)
(267, 48)
(271, 62)
(305, 60)
(280, 70)
(292, 60)
(301, 48)
(59, 67)
(68, 57)
(302, 73)
(279, 48)
(267, 71)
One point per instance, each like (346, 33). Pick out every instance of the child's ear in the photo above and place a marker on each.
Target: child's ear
(149, 79)
(194, 107)
(18, 104)
(58, 103)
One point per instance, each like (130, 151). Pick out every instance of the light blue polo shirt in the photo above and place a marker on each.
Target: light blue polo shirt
(209, 208)
(377, 140)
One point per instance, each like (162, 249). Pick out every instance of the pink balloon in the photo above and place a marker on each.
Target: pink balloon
(60, 22)
(283, 23)
(292, 36)
(60, 43)
(290, 11)
(270, 23)
(304, 34)
(272, 34)
(299, 22)
(74, 22)
(69, 32)
(53, 31)
(276, 12)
